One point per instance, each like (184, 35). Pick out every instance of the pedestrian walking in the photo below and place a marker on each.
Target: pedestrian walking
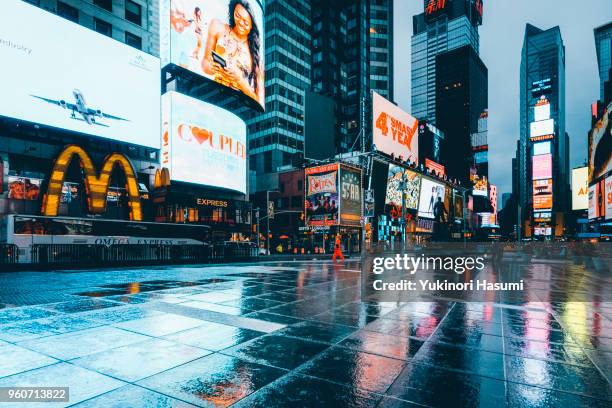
(337, 249)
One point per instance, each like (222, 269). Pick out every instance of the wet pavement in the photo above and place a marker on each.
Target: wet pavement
(295, 334)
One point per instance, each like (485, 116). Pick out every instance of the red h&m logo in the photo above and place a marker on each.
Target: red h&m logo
(435, 5)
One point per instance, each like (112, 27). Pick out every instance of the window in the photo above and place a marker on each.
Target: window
(105, 4)
(103, 27)
(300, 185)
(68, 12)
(133, 12)
(133, 40)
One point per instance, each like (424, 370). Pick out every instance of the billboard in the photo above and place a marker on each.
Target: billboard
(430, 192)
(437, 167)
(394, 130)
(458, 205)
(481, 186)
(543, 194)
(541, 110)
(542, 167)
(580, 188)
(600, 146)
(23, 188)
(597, 204)
(350, 196)
(608, 197)
(60, 74)
(203, 144)
(541, 148)
(321, 203)
(542, 128)
(221, 40)
(411, 189)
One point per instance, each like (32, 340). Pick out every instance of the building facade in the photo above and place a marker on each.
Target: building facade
(543, 155)
(443, 26)
(603, 46)
(133, 22)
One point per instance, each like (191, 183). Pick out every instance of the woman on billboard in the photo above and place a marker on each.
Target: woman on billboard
(232, 51)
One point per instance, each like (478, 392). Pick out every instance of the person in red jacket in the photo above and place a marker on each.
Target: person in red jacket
(338, 249)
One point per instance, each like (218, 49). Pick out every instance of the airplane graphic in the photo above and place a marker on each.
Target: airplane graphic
(80, 107)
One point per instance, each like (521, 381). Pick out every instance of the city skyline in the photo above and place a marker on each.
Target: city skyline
(501, 18)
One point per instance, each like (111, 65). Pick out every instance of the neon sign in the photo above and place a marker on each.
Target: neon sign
(435, 5)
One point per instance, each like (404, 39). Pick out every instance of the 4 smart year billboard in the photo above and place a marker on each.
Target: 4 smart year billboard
(394, 131)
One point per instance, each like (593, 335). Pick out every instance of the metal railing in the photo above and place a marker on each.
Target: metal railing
(9, 254)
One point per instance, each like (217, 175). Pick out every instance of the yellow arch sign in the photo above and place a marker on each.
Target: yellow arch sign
(96, 186)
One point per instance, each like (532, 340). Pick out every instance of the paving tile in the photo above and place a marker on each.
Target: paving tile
(215, 307)
(45, 327)
(213, 297)
(133, 397)
(16, 314)
(214, 336)
(278, 351)
(402, 348)
(119, 314)
(160, 325)
(354, 368)
(252, 303)
(140, 360)
(84, 342)
(83, 305)
(317, 331)
(274, 318)
(216, 380)
(521, 395)
(83, 384)
(15, 359)
(294, 390)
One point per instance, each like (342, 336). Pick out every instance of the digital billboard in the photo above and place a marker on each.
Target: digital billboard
(60, 74)
(593, 207)
(542, 167)
(430, 192)
(411, 189)
(350, 196)
(580, 188)
(608, 197)
(541, 110)
(541, 148)
(23, 188)
(481, 186)
(542, 128)
(221, 40)
(600, 146)
(203, 144)
(321, 203)
(394, 130)
(458, 204)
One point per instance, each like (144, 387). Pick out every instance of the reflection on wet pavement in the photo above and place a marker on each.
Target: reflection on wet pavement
(299, 335)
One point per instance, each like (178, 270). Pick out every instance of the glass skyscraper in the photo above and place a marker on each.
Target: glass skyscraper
(603, 45)
(542, 85)
(444, 26)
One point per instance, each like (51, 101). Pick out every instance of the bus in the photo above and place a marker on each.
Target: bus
(25, 231)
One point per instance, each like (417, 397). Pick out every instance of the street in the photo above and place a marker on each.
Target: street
(294, 334)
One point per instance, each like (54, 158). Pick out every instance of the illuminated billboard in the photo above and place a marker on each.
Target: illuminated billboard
(431, 191)
(600, 146)
(321, 203)
(203, 144)
(411, 188)
(23, 188)
(608, 197)
(541, 148)
(350, 196)
(221, 40)
(580, 188)
(541, 110)
(542, 167)
(60, 74)
(543, 194)
(394, 130)
(542, 128)
(481, 185)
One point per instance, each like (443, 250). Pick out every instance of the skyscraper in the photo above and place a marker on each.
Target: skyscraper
(444, 26)
(543, 150)
(352, 55)
(603, 45)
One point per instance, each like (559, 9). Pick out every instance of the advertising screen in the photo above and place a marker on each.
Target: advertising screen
(321, 203)
(437, 167)
(542, 128)
(350, 196)
(411, 189)
(458, 206)
(203, 144)
(73, 78)
(430, 192)
(23, 188)
(221, 40)
(394, 130)
(542, 167)
(481, 186)
(597, 203)
(541, 110)
(541, 148)
(580, 188)
(608, 197)
(600, 146)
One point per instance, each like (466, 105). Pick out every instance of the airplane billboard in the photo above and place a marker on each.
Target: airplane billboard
(202, 143)
(60, 74)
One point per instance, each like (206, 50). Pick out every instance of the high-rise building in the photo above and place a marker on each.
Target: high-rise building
(352, 55)
(603, 45)
(277, 135)
(543, 150)
(444, 26)
(134, 22)
(462, 100)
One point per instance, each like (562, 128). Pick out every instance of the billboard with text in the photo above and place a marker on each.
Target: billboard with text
(321, 205)
(394, 131)
(60, 74)
(580, 188)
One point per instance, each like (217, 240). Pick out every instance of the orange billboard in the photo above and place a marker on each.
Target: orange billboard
(394, 130)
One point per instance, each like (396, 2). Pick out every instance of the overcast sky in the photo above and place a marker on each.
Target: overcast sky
(501, 40)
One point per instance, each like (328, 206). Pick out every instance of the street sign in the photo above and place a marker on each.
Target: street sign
(369, 196)
(271, 210)
(369, 209)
